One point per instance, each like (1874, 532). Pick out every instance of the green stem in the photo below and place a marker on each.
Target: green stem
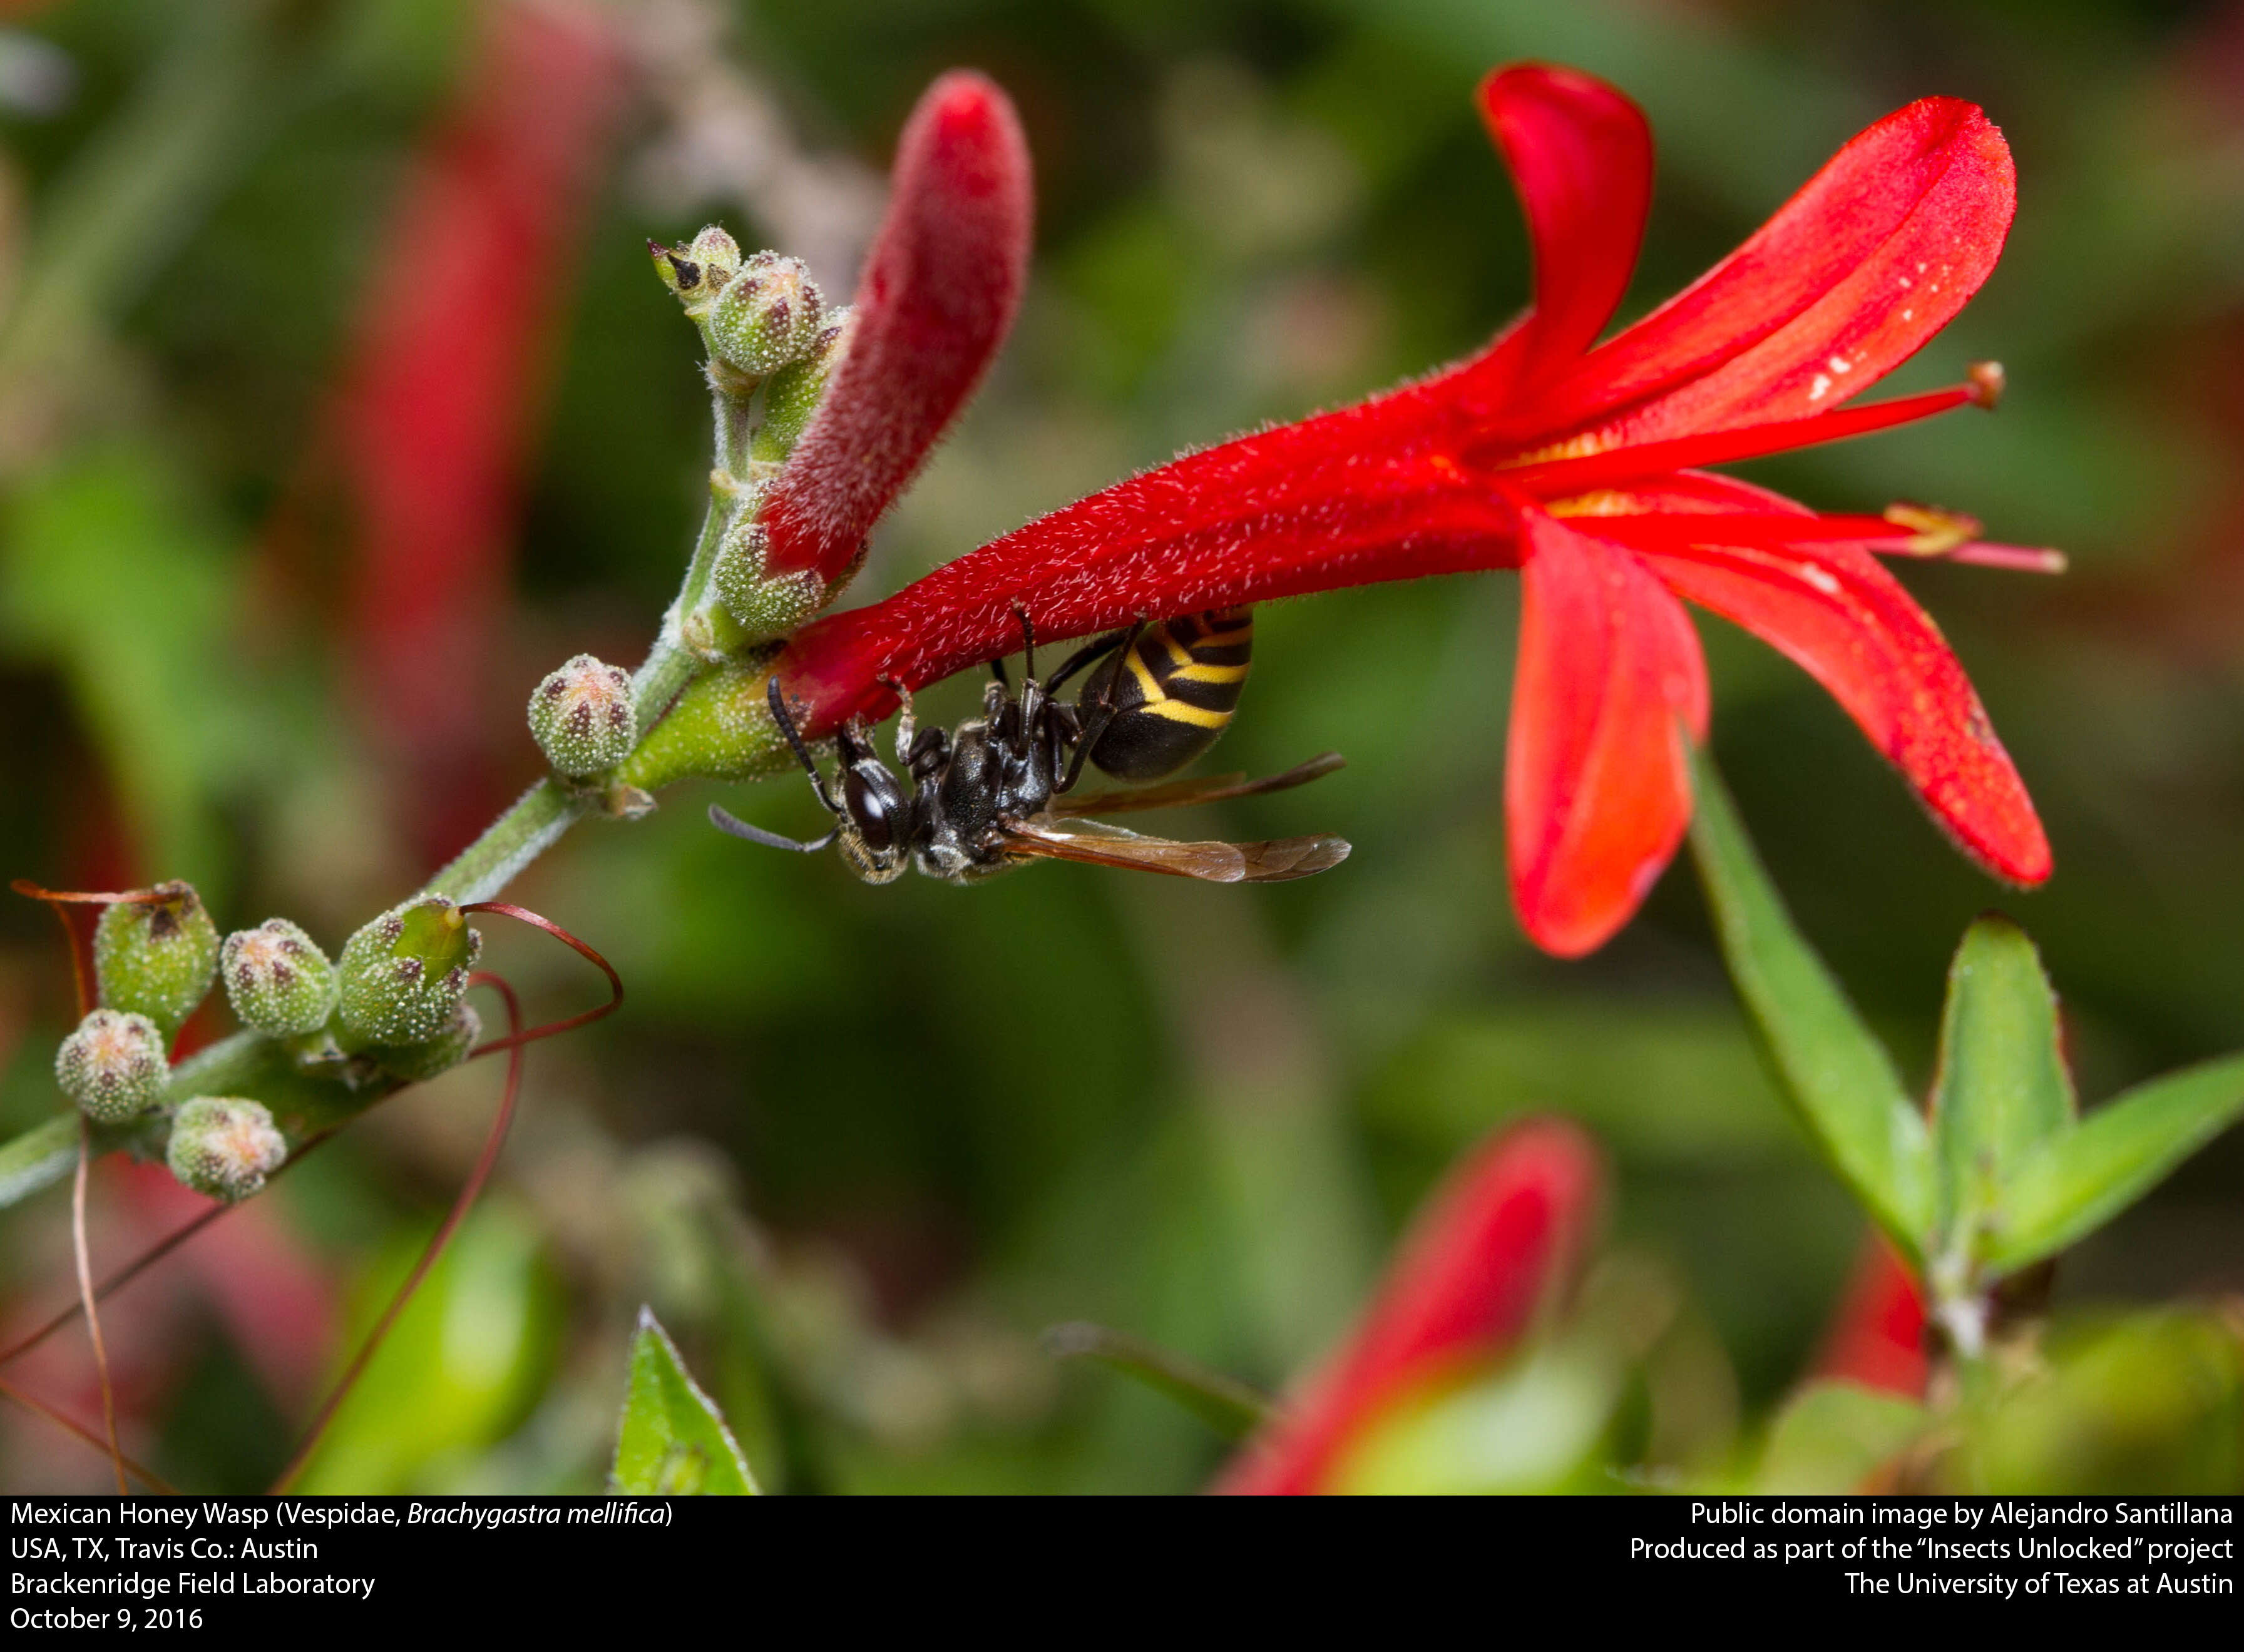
(673, 663)
(39, 1158)
(221, 1069)
(509, 843)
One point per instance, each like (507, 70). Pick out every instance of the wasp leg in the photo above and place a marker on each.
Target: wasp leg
(907, 723)
(785, 718)
(1102, 709)
(1090, 654)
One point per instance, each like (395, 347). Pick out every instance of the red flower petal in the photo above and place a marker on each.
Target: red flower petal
(1873, 257)
(1597, 781)
(937, 298)
(1503, 1234)
(1835, 611)
(1581, 155)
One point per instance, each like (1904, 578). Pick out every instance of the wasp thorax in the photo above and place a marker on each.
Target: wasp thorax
(277, 981)
(764, 607)
(769, 314)
(225, 1147)
(113, 1066)
(582, 717)
(404, 974)
(417, 1062)
(156, 957)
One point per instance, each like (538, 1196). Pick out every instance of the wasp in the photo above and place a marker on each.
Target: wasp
(998, 790)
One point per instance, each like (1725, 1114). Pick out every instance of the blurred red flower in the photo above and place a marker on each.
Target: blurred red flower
(1497, 1242)
(1877, 1336)
(437, 402)
(1579, 465)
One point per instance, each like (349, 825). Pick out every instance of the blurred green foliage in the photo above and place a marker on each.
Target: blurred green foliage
(859, 1146)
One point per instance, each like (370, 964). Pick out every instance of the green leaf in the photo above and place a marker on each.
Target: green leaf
(1835, 1074)
(2002, 1090)
(1226, 1404)
(674, 1442)
(1834, 1437)
(2081, 1179)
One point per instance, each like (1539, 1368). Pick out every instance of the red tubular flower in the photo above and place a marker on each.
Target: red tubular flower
(1579, 465)
(938, 295)
(1503, 1236)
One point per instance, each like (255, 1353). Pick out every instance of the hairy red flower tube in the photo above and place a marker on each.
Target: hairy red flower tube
(1578, 463)
(938, 295)
(1503, 1237)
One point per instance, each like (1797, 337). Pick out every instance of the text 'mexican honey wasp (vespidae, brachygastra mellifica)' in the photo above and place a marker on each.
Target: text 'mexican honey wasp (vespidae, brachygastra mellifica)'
(997, 791)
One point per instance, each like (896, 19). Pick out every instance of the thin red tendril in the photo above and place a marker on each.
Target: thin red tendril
(85, 1300)
(516, 1039)
(59, 901)
(468, 1192)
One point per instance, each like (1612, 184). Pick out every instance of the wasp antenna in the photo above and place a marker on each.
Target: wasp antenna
(1028, 639)
(728, 822)
(785, 718)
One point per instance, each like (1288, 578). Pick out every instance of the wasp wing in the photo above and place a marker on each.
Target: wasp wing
(1214, 788)
(1275, 861)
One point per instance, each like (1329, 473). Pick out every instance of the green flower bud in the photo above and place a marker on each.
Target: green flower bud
(763, 607)
(414, 1063)
(403, 974)
(156, 959)
(795, 390)
(278, 981)
(113, 1066)
(769, 314)
(696, 272)
(581, 715)
(225, 1147)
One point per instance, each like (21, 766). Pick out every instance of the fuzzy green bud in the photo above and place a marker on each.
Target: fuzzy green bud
(697, 272)
(764, 607)
(793, 392)
(582, 717)
(225, 1147)
(113, 1066)
(403, 974)
(277, 979)
(769, 314)
(417, 1062)
(157, 958)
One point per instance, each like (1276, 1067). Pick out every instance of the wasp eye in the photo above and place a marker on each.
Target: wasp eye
(871, 809)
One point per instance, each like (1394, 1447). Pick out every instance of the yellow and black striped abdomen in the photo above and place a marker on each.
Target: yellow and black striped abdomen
(1174, 691)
